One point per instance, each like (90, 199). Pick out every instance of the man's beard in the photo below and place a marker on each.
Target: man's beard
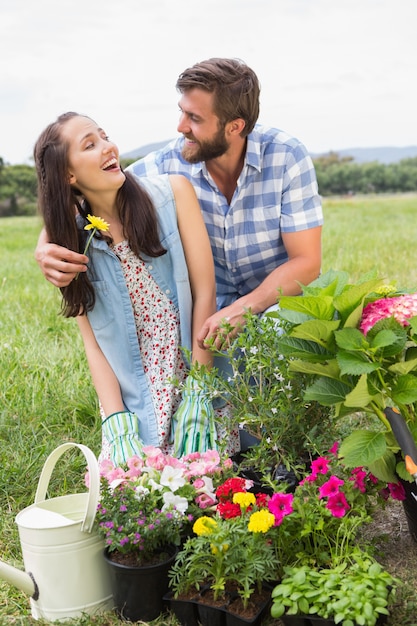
(206, 150)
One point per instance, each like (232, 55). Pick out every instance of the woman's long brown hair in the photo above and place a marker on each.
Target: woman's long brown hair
(59, 202)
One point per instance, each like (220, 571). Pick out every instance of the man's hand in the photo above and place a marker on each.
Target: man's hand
(222, 326)
(58, 264)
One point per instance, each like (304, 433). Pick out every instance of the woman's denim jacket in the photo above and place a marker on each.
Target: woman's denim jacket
(112, 316)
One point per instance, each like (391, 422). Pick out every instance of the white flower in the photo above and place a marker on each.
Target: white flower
(254, 350)
(178, 502)
(172, 477)
(274, 410)
(208, 487)
(141, 492)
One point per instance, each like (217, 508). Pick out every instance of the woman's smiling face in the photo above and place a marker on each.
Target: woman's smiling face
(93, 160)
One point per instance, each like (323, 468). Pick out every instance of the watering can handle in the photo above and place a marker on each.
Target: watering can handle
(94, 475)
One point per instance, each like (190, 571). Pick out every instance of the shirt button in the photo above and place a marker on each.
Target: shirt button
(150, 267)
(167, 291)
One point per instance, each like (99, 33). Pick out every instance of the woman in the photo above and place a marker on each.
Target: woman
(150, 281)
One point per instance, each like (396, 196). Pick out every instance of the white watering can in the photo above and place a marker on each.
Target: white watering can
(66, 575)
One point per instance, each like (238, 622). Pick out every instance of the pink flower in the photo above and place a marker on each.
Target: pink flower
(337, 504)
(335, 447)
(135, 465)
(154, 457)
(204, 500)
(320, 465)
(400, 307)
(280, 505)
(331, 487)
(358, 478)
(397, 491)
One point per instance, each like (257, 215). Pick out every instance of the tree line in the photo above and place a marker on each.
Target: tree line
(336, 175)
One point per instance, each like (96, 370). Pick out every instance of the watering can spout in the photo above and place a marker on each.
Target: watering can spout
(22, 580)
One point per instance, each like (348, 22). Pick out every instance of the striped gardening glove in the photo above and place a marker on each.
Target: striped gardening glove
(122, 432)
(193, 423)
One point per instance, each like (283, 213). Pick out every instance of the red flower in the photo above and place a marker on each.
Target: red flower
(227, 510)
(229, 487)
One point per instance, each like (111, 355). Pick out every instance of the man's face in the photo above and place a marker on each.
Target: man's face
(204, 135)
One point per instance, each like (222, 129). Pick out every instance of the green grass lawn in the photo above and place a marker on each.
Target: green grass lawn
(46, 395)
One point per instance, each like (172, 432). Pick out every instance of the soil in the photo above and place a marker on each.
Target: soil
(132, 559)
(396, 549)
(232, 603)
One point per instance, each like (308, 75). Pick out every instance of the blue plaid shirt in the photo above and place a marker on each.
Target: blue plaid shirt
(276, 193)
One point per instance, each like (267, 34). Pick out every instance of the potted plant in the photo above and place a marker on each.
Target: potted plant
(221, 572)
(321, 522)
(358, 342)
(328, 570)
(348, 594)
(254, 538)
(145, 509)
(265, 401)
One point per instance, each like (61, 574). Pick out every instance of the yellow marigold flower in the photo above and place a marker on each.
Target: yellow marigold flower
(204, 525)
(96, 222)
(244, 500)
(261, 521)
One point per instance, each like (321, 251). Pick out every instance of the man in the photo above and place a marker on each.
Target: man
(257, 190)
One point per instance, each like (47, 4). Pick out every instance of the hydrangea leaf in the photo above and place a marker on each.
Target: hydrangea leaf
(362, 448)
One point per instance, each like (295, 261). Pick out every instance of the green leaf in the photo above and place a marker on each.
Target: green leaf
(320, 307)
(299, 577)
(350, 339)
(355, 364)
(359, 397)
(404, 367)
(354, 296)
(385, 468)
(277, 610)
(398, 335)
(300, 348)
(327, 391)
(330, 369)
(320, 331)
(405, 390)
(303, 605)
(362, 448)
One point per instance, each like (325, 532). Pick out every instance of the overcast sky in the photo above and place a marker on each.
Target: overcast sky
(335, 73)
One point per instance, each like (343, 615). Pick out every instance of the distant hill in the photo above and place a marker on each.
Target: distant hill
(144, 150)
(383, 155)
(360, 155)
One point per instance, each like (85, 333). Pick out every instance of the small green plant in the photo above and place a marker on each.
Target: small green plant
(353, 594)
(232, 551)
(266, 398)
(320, 524)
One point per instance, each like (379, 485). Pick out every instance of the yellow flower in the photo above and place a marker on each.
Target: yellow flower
(244, 500)
(97, 223)
(204, 525)
(261, 521)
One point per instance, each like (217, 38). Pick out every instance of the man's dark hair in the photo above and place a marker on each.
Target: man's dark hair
(235, 87)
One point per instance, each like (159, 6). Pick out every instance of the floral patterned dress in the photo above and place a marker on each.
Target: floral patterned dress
(158, 330)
